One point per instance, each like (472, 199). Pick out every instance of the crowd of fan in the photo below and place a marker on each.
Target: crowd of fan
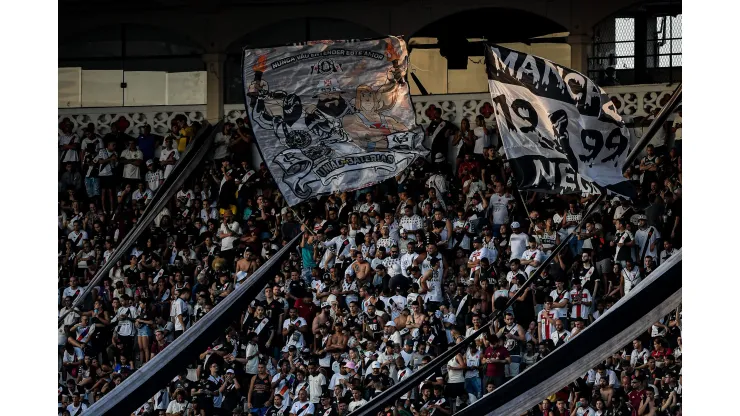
(383, 280)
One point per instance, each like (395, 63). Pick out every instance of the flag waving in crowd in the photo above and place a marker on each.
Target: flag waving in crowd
(332, 115)
(560, 131)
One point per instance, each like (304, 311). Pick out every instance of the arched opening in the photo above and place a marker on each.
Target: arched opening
(282, 33)
(446, 56)
(642, 43)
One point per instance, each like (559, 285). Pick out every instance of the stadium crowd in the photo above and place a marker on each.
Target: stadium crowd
(382, 281)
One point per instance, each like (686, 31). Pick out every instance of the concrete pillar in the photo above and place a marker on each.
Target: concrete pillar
(214, 86)
(580, 48)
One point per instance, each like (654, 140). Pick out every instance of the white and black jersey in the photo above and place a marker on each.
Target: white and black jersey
(623, 253)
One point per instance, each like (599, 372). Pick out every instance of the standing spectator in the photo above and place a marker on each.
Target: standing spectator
(169, 156)
(69, 143)
(147, 141)
(107, 161)
(131, 159)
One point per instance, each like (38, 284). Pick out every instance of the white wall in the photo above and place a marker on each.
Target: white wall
(431, 67)
(97, 88)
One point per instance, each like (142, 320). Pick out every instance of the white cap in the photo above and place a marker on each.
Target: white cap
(396, 269)
(515, 224)
(375, 364)
(390, 323)
(401, 230)
(229, 371)
(439, 158)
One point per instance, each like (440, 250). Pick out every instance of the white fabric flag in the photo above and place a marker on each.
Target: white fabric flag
(561, 133)
(332, 115)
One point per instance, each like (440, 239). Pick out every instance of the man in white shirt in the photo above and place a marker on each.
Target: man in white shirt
(341, 243)
(153, 177)
(407, 260)
(76, 405)
(478, 253)
(499, 205)
(302, 407)
(369, 205)
(180, 312)
(77, 236)
(316, 383)
(411, 222)
(179, 405)
(186, 194)
(532, 257)
(639, 355)
(168, 157)
(228, 232)
(646, 239)
(560, 299)
(517, 241)
(584, 409)
(131, 158)
(141, 193)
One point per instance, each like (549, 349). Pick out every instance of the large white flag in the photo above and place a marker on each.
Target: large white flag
(332, 115)
(560, 131)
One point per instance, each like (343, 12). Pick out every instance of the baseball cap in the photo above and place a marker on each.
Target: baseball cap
(410, 343)
(350, 364)
(390, 323)
(477, 240)
(402, 230)
(229, 371)
(375, 365)
(325, 305)
(515, 224)
(149, 162)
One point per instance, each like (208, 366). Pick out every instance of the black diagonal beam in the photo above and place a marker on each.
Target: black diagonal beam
(184, 167)
(652, 299)
(155, 374)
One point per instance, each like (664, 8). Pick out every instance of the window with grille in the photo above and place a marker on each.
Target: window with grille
(664, 42)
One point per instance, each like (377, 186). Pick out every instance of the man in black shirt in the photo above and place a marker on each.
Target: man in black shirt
(277, 408)
(296, 286)
(672, 219)
(330, 227)
(439, 131)
(325, 407)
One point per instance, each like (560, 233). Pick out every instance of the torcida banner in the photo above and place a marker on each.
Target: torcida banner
(332, 115)
(560, 131)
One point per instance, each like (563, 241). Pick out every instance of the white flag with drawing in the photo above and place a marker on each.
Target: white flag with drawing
(332, 115)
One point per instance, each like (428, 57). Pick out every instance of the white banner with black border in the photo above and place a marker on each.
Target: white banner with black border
(560, 131)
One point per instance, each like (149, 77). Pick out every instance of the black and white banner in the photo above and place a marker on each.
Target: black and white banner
(560, 131)
(332, 115)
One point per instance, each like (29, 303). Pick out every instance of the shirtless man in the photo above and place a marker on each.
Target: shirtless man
(321, 319)
(401, 319)
(606, 391)
(415, 320)
(359, 268)
(337, 341)
(248, 263)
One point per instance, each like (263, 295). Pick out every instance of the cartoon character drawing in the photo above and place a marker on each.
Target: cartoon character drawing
(369, 126)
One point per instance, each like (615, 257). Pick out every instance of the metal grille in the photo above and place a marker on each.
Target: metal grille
(664, 42)
(614, 45)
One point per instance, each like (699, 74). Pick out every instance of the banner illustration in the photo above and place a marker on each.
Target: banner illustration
(560, 131)
(332, 115)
